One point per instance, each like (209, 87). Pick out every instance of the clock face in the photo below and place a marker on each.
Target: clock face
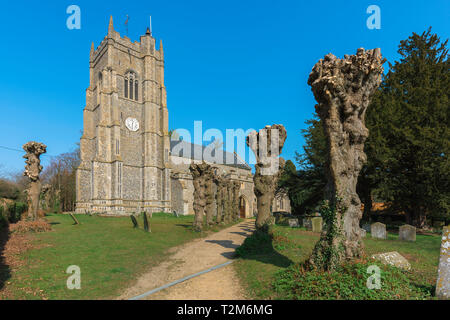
(132, 124)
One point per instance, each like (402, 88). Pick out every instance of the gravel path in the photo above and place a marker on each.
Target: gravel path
(194, 257)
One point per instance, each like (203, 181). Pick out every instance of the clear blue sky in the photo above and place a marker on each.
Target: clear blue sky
(231, 64)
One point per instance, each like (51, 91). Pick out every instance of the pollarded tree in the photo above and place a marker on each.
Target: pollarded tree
(343, 88)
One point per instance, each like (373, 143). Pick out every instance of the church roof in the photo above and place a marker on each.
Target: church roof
(193, 151)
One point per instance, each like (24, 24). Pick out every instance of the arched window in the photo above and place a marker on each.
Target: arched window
(136, 90)
(100, 79)
(131, 87)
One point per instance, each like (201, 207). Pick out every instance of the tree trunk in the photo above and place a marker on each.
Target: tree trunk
(32, 170)
(202, 175)
(210, 195)
(342, 88)
(219, 200)
(266, 145)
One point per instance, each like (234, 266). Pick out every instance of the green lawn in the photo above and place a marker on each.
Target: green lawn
(258, 269)
(110, 253)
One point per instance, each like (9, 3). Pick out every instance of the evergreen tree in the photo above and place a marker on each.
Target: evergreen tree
(409, 138)
(305, 186)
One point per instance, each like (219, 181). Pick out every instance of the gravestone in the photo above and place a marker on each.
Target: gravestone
(363, 233)
(307, 223)
(394, 259)
(135, 223)
(317, 224)
(74, 219)
(366, 226)
(443, 280)
(378, 230)
(293, 223)
(407, 233)
(146, 224)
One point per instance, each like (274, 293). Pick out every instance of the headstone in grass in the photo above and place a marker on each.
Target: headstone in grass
(407, 233)
(73, 218)
(293, 223)
(317, 224)
(363, 233)
(394, 259)
(146, 225)
(378, 230)
(175, 214)
(443, 280)
(135, 223)
(307, 223)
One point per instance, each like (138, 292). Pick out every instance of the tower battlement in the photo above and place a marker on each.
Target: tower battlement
(145, 46)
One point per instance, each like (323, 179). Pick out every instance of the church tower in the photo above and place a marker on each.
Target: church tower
(125, 144)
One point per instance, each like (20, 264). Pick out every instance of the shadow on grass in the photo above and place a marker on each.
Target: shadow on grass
(185, 225)
(5, 271)
(259, 247)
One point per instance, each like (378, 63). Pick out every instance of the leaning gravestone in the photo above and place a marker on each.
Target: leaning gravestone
(293, 223)
(407, 233)
(317, 223)
(394, 259)
(74, 219)
(443, 280)
(307, 223)
(135, 223)
(146, 224)
(378, 230)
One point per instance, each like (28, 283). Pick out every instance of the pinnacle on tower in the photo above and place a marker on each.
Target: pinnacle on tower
(111, 25)
(148, 32)
(161, 50)
(92, 49)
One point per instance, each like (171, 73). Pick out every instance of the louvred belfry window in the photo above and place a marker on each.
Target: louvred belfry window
(131, 86)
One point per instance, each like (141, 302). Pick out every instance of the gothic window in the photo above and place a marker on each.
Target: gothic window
(100, 79)
(136, 90)
(131, 86)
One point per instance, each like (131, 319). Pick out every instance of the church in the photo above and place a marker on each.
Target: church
(129, 163)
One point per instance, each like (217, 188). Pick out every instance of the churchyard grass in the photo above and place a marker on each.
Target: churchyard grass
(110, 253)
(260, 268)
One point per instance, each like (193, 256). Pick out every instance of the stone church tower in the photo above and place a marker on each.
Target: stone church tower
(125, 144)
